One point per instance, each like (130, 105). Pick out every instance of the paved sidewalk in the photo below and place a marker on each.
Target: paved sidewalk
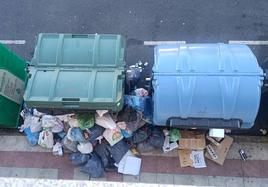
(18, 159)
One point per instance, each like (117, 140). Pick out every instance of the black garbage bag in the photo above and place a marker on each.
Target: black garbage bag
(102, 150)
(94, 133)
(78, 159)
(139, 136)
(94, 167)
(118, 150)
(156, 138)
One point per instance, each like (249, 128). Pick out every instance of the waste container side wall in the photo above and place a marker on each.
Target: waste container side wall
(13, 79)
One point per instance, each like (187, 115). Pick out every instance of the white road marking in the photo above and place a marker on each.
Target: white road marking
(249, 42)
(10, 42)
(163, 42)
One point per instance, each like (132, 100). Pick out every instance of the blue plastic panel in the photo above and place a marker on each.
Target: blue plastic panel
(218, 81)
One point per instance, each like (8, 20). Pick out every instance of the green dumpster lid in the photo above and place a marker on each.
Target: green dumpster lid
(77, 71)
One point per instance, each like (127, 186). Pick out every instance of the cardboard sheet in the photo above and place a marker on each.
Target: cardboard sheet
(192, 140)
(221, 150)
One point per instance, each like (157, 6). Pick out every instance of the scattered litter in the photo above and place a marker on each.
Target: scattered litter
(86, 121)
(57, 149)
(192, 140)
(263, 131)
(46, 139)
(118, 150)
(211, 152)
(221, 150)
(174, 134)
(212, 140)
(113, 135)
(128, 128)
(104, 154)
(93, 133)
(49, 121)
(101, 112)
(141, 92)
(93, 167)
(68, 144)
(243, 155)
(75, 134)
(129, 164)
(78, 159)
(106, 121)
(218, 133)
(139, 136)
(192, 158)
(85, 148)
(157, 138)
(31, 137)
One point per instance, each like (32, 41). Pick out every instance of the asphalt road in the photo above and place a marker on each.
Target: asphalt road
(189, 20)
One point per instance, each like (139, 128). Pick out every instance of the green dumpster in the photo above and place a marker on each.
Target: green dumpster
(13, 78)
(77, 72)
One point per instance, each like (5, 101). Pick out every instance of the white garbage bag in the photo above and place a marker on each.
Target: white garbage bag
(46, 139)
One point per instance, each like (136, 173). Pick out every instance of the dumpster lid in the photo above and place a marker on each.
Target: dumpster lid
(206, 59)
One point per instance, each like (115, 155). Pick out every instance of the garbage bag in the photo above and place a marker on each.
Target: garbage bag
(93, 133)
(139, 136)
(86, 121)
(105, 121)
(31, 137)
(157, 138)
(174, 135)
(68, 144)
(101, 112)
(49, 121)
(46, 139)
(141, 92)
(93, 167)
(104, 154)
(85, 148)
(57, 149)
(78, 159)
(118, 150)
(75, 134)
(31, 121)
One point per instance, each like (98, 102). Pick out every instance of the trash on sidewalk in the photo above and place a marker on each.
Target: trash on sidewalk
(93, 133)
(101, 112)
(85, 148)
(78, 159)
(104, 154)
(68, 144)
(129, 164)
(174, 134)
(46, 139)
(218, 133)
(93, 167)
(212, 140)
(221, 150)
(192, 158)
(49, 121)
(57, 149)
(211, 152)
(85, 121)
(128, 128)
(105, 121)
(118, 150)
(141, 92)
(243, 155)
(192, 140)
(75, 134)
(31, 137)
(113, 135)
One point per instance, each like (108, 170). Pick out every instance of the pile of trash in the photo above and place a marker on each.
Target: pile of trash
(103, 141)
(99, 141)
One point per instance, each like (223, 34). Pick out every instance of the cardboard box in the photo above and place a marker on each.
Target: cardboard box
(221, 150)
(192, 140)
(192, 158)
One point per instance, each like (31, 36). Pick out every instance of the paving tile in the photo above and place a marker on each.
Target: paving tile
(197, 180)
(130, 178)
(217, 181)
(167, 164)
(264, 182)
(149, 164)
(78, 175)
(114, 176)
(252, 168)
(234, 181)
(162, 178)
(252, 182)
(264, 168)
(230, 168)
(147, 177)
(28, 172)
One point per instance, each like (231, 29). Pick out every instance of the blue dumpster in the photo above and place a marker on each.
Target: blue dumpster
(206, 86)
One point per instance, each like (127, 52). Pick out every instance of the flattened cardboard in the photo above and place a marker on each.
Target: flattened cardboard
(185, 159)
(192, 140)
(221, 150)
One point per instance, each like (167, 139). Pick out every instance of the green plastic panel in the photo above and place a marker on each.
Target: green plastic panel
(77, 72)
(12, 84)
